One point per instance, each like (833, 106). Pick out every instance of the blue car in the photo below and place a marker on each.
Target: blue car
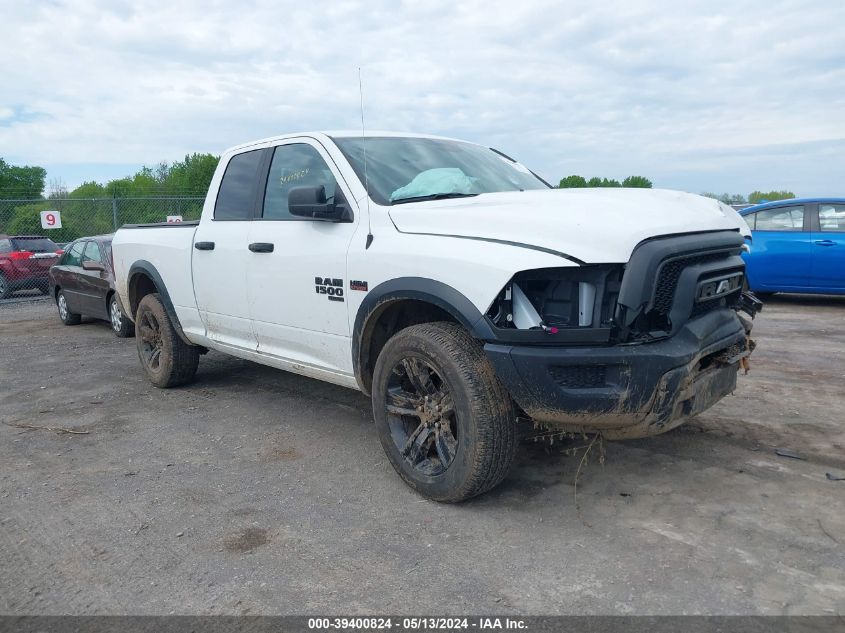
(798, 246)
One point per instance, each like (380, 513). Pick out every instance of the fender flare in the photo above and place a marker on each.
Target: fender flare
(430, 291)
(143, 267)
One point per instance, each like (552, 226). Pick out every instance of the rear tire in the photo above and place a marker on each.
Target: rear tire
(168, 360)
(120, 323)
(460, 440)
(67, 317)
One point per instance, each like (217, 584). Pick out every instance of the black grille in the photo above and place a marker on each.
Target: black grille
(706, 306)
(670, 272)
(580, 376)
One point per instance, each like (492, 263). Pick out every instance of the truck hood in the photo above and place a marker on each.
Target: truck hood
(587, 225)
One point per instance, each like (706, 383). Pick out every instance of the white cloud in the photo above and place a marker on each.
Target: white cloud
(694, 94)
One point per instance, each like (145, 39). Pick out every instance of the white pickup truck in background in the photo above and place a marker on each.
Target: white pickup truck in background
(455, 287)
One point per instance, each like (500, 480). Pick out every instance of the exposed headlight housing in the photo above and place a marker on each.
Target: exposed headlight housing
(558, 300)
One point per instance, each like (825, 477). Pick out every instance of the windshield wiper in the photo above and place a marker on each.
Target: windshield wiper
(434, 196)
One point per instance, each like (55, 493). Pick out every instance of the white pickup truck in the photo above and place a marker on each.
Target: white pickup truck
(454, 286)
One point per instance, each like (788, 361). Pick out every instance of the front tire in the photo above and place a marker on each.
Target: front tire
(67, 317)
(168, 360)
(444, 420)
(120, 323)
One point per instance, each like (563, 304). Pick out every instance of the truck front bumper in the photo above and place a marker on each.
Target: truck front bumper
(626, 391)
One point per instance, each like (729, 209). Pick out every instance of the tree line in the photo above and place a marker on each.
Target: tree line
(755, 197)
(575, 182)
(150, 195)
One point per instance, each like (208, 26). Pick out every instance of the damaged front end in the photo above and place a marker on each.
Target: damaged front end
(626, 350)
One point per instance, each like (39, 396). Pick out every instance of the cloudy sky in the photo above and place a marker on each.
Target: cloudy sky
(697, 95)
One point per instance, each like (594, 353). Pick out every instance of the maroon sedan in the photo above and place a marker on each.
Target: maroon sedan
(82, 283)
(25, 262)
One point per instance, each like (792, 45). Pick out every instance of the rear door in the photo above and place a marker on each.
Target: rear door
(297, 290)
(221, 251)
(781, 248)
(93, 284)
(828, 259)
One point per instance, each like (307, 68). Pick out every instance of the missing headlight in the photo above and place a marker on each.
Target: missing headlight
(558, 298)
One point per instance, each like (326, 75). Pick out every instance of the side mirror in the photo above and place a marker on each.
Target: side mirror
(310, 202)
(92, 265)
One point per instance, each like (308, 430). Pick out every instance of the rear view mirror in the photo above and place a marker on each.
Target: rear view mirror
(310, 202)
(92, 265)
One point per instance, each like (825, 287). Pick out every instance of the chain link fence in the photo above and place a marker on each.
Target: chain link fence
(25, 263)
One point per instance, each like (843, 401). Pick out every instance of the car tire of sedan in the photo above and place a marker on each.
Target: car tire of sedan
(167, 359)
(5, 287)
(120, 324)
(446, 423)
(67, 317)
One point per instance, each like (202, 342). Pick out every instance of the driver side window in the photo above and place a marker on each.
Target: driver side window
(73, 257)
(295, 165)
(92, 253)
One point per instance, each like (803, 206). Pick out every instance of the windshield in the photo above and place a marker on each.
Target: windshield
(407, 168)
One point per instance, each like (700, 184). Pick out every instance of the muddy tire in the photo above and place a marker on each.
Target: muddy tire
(167, 359)
(444, 420)
(67, 317)
(120, 323)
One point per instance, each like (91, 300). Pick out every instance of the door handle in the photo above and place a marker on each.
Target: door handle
(204, 246)
(261, 247)
(825, 242)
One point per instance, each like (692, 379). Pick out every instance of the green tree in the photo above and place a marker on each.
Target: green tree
(21, 182)
(637, 182)
(769, 196)
(573, 181)
(594, 182)
(89, 189)
(192, 175)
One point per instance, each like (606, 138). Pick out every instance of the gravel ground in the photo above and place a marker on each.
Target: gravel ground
(257, 491)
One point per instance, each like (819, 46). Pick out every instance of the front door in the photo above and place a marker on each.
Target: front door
(781, 247)
(828, 265)
(297, 290)
(221, 251)
(93, 284)
(67, 276)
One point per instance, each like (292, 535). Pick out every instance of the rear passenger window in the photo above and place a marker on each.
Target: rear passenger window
(295, 165)
(832, 217)
(236, 198)
(5, 246)
(782, 219)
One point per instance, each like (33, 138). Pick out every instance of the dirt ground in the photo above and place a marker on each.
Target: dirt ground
(257, 491)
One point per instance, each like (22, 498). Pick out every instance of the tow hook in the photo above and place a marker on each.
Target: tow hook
(749, 304)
